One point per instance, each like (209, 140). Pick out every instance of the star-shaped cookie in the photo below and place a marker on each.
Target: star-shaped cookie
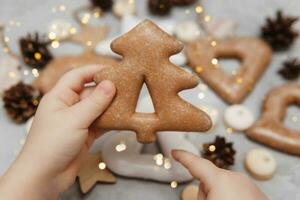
(93, 170)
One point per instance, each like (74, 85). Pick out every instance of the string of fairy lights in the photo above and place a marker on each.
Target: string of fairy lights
(83, 16)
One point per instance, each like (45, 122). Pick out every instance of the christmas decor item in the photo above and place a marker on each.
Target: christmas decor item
(260, 164)
(160, 7)
(9, 72)
(279, 32)
(220, 152)
(34, 51)
(254, 56)
(94, 170)
(21, 101)
(183, 2)
(104, 5)
(269, 129)
(238, 117)
(122, 154)
(124, 7)
(290, 69)
(190, 192)
(145, 57)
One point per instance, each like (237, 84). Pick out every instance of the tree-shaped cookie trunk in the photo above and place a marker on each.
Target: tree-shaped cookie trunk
(146, 50)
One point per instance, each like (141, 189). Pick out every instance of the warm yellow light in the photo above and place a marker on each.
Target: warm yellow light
(239, 80)
(51, 35)
(199, 9)
(167, 163)
(229, 130)
(102, 165)
(6, 39)
(213, 43)
(214, 61)
(173, 184)
(201, 95)
(212, 148)
(89, 43)
(35, 72)
(37, 55)
(121, 147)
(207, 18)
(199, 69)
(55, 44)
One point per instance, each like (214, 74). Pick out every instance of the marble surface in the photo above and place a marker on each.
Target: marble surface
(34, 15)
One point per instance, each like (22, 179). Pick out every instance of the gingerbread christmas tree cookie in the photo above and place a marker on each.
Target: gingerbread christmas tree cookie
(146, 50)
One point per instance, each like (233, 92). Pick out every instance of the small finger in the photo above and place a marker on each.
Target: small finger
(199, 168)
(90, 108)
(75, 79)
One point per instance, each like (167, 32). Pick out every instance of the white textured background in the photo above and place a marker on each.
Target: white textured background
(249, 14)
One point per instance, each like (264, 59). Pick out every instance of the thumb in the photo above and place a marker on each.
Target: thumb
(91, 107)
(200, 168)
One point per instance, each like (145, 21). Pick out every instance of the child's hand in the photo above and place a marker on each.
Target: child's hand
(59, 136)
(218, 183)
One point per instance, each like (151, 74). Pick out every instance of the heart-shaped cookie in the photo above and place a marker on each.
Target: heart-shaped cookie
(253, 53)
(269, 129)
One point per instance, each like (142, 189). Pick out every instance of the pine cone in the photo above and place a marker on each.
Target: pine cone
(279, 32)
(290, 69)
(104, 5)
(183, 2)
(34, 51)
(21, 101)
(160, 7)
(219, 152)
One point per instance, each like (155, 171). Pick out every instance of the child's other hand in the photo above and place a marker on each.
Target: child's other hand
(218, 183)
(60, 132)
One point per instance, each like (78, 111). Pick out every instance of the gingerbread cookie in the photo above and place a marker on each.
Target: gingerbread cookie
(146, 50)
(58, 66)
(253, 53)
(93, 170)
(269, 129)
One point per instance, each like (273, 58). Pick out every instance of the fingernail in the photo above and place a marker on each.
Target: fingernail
(174, 154)
(107, 87)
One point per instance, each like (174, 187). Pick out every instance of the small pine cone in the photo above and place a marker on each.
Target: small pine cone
(290, 69)
(279, 31)
(183, 2)
(104, 5)
(160, 7)
(21, 101)
(34, 51)
(219, 152)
